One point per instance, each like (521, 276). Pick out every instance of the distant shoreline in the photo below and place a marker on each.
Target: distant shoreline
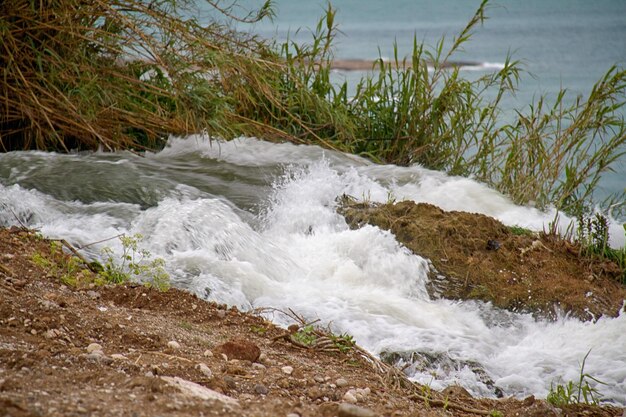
(369, 64)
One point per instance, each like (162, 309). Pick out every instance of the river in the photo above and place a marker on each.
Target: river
(253, 224)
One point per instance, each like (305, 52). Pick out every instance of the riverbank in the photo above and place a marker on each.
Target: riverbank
(131, 350)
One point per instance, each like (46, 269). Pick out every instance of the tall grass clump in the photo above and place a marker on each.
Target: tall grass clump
(127, 73)
(420, 109)
(116, 74)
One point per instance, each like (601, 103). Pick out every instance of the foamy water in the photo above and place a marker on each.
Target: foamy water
(253, 224)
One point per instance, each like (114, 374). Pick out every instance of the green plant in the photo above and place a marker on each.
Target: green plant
(134, 263)
(305, 335)
(70, 269)
(575, 392)
(344, 342)
(593, 238)
(520, 231)
(260, 330)
(496, 413)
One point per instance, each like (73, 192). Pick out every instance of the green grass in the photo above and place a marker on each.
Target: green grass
(579, 392)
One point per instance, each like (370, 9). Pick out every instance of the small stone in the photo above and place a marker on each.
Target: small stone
(93, 347)
(98, 356)
(173, 344)
(318, 379)
(349, 410)
(258, 366)
(350, 397)
(261, 389)
(287, 370)
(33, 332)
(94, 295)
(118, 357)
(238, 348)
(208, 353)
(230, 382)
(205, 370)
(293, 415)
(221, 314)
(341, 382)
(315, 393)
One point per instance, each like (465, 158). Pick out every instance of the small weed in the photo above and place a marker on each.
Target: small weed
(343, 342)
(575, 392)
(593, 237)
(306, 335)
(260, 330)
(186, 325)
(496, 413)
(520, 231)
(135, 263)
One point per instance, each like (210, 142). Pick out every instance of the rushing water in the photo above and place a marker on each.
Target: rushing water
(253, 224)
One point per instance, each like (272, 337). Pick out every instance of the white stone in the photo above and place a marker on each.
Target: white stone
(198, 391)
(350, 397)
(93, 347)
(341, 382)
(119, 357)
(205, 370)
(173, 344)
(287, 370)
(259, 366)
(208, 353)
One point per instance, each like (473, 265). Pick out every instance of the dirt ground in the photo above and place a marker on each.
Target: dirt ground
(113, 350)
(477, 257)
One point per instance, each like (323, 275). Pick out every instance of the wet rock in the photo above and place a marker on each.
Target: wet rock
(239, 349)
(261, 389)
(350, 410)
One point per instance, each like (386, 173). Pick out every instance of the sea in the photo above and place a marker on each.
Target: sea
(253, 224)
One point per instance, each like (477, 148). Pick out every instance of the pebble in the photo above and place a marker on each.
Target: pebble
(319, 379)
(118, 357)
(293, 415)
(341, 382)
(259, 366)
(173, 344)
(93, 347)
(287, 370)
(98, 356)
(230, 382)
(350, 410)
(205, 370)
(261, 389)
(350, 397)
(208, 353)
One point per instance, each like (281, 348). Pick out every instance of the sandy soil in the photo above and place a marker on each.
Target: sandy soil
(112, 350)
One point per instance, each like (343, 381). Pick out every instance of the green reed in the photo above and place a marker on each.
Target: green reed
(76, 76)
